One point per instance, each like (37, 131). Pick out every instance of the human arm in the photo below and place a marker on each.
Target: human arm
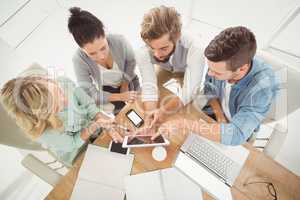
(83, 75)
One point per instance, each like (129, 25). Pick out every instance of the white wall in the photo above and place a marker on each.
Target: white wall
(11, 63)
(8, 8)
(262, 17)
(292, 32)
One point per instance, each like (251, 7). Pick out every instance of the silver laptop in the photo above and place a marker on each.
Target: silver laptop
(213, 166)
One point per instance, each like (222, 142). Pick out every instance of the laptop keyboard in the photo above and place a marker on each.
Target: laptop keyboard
(211, 158)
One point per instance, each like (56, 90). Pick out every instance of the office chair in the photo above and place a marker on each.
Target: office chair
(274, 142)
(278, 108)
(12, 135)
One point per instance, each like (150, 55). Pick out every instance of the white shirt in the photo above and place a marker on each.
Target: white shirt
(194, 75)
(111, 77)
(225, 100)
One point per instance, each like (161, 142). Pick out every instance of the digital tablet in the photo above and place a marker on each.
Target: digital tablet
(144, 141)
(134, 118)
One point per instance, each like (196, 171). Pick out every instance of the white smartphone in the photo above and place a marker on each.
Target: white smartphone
(144, 141)
(134, 118)
(117, 147)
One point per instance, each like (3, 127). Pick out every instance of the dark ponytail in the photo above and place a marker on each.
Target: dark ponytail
(84, 26)
(75, 11)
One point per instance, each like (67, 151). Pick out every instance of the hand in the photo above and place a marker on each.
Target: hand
(150, 125)
(168, 128)
(129, 96)
(221, 118)
(116, 137)
(124, 86)
(154, 118)
(144, 131)
(105, 122)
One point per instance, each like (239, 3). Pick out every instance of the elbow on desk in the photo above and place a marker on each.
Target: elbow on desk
(232, 135)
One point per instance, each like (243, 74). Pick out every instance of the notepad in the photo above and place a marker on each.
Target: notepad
(102, 174)
(166, 184)
(174, 86)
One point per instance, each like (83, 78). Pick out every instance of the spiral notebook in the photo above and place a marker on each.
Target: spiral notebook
(166, 184)
(102, 174)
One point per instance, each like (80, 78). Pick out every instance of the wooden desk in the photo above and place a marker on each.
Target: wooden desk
(257, 164)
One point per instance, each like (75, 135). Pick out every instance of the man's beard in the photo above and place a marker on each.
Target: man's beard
(167, 58)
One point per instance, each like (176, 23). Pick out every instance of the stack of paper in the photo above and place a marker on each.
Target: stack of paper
(102, 174)
(166, 184)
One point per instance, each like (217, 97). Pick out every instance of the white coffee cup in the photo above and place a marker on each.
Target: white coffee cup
(159, 153)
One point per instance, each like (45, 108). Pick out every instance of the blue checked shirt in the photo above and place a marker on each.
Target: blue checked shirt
(249, 101)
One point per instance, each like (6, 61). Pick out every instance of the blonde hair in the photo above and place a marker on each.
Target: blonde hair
(159, 21)
(29, 101)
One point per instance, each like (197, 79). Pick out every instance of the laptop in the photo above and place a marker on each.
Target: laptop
(214, 167)
(102, 174)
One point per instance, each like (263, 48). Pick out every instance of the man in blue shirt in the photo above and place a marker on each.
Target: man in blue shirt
(240, 89)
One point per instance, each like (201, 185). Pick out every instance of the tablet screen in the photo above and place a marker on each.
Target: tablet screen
(145, 140)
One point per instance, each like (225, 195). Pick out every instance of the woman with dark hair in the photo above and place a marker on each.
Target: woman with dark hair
(104, 64)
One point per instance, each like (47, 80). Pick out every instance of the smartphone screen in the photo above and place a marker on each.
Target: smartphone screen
(145, 140)
(117, 147)
(134, 118)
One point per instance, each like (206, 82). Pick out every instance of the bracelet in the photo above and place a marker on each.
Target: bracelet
(91, 130)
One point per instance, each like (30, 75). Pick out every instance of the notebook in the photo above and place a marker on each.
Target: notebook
(174, 86)
(166, 184)
(102, 174)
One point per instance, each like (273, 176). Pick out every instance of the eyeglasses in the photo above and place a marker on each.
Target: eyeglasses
(269, 185)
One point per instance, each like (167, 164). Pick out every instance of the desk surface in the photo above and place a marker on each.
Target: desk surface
(257, 167)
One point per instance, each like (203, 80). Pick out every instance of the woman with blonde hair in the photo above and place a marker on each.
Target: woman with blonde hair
(55, 113)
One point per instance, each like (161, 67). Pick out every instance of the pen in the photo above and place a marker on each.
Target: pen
(121, 127)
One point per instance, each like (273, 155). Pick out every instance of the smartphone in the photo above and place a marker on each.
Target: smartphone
(134, 118)
(117, 147)
(144, 141)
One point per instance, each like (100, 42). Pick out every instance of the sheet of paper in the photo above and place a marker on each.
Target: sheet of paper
(102, 174)
(174, 86)
(166, 184)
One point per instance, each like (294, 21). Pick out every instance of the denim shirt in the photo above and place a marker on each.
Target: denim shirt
(65, 144)
(249, 101)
